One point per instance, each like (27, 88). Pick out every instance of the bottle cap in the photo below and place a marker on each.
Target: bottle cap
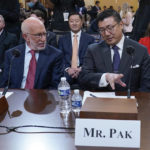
(63, 78)
(76, 91)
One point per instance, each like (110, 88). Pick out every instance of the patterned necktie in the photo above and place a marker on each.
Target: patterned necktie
(31, 72)
(116, 58)
(74, 62)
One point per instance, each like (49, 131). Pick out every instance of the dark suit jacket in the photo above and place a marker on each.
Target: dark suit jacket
(48, 71)
(7, 41)
(98, 61)
(65, 44)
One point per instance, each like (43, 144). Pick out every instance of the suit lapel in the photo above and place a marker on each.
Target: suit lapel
(69, 46)
(19, 65)
(82, 40)
(125, 59)
(2, 36)
(39, 66)
(107, 58)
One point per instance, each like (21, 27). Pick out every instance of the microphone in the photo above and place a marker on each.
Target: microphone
(15, 53)
(130, 50)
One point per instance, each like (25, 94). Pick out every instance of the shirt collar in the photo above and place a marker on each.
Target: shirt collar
(121, 42)
(1, 31)
(79, 33)
(27, 49)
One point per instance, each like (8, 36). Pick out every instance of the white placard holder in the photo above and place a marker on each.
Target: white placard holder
(105, 134)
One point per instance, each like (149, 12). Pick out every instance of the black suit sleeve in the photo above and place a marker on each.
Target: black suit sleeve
(89, 77)
(145, 73)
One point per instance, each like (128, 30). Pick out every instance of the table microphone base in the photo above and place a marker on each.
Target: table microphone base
(3, 104)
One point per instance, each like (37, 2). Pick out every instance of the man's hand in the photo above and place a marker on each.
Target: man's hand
(113, 78)
(74, 72)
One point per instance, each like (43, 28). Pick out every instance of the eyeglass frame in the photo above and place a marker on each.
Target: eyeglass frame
(39, 35)
(109, 28)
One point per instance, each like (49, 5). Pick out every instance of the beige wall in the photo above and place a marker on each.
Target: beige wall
(114, 3)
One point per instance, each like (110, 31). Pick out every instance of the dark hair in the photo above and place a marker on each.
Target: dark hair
(74, 13)
(109, 13)
(97, 2)
(38, 13)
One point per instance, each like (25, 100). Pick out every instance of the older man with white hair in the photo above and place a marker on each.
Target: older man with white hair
(39, 65)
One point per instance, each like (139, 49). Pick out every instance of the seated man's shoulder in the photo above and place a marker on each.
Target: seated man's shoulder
(88, 35)
(97, 46)
(50, 50)
(10, 37)
(137, 46)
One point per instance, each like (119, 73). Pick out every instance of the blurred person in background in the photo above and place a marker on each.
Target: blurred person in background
(96, 9)
(36, 5)
(7, 41)
(10, 10)
(66, 44)
(127, 19)
(142, 18)
(51, 37)
(146, 40)
(61, 10)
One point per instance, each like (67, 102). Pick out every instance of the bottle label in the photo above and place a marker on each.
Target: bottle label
(64, 92)
(76, 103)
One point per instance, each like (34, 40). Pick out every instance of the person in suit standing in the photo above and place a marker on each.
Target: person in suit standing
(39, 65)
(96, 9)
(7, 41)
(10, 10)
(66, 44)
(107, 64)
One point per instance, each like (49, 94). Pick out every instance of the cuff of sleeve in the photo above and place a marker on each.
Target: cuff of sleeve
(103, 82)
(67, 69)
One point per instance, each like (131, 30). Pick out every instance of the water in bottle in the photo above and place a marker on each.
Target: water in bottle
(76, 102)
(64, 94)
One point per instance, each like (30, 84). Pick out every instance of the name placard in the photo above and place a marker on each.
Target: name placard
(107, 133)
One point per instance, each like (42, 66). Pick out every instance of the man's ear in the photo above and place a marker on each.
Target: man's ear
(25, 36)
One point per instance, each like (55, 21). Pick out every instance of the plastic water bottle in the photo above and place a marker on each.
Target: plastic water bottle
(64, 94)
(76, 102)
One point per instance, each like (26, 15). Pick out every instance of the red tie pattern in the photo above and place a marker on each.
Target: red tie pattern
(31, 72)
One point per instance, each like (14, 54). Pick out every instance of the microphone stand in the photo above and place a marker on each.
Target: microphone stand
(130, 77)
(6, 88)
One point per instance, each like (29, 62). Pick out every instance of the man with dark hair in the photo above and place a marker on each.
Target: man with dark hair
(74, 53)
(107, 65)
(36, 4)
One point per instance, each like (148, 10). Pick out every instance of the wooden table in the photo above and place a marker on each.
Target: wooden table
(41, 107)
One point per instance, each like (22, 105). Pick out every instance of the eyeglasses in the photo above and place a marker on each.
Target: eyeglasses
(35, 129)
(109, 28)
(39, 35)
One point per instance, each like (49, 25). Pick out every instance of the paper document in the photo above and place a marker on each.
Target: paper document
(7, 94)
(101, 94)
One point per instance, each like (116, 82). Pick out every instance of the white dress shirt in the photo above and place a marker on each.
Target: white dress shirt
(103, 82)
(27, 59)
